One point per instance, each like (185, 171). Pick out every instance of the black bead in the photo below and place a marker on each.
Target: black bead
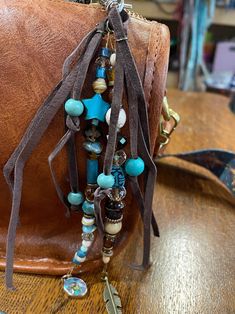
(92, 133)
(114, 205)
(113, 214)
(121, 141)
(113, 209)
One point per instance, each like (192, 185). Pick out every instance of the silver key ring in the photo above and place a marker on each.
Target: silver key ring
(108, 4)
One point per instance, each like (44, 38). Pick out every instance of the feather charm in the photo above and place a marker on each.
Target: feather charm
(111, 298)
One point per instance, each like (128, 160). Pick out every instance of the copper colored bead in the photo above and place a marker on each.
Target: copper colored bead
(108, 242)
(89, 192)
(111, 76)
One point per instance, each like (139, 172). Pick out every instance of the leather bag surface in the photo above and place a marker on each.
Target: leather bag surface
(35, 39)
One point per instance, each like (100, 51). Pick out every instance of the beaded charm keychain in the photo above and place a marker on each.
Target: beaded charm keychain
(96, 109)
(116, 70)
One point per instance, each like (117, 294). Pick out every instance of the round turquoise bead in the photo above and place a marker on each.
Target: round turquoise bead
(75, 198)
(134, 167)
(88, 229)
(81, 253)
(83, 248)
(105, 181)
(88, 208)
(74, 107)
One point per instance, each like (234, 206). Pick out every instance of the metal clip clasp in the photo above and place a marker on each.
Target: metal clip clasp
(167, 115)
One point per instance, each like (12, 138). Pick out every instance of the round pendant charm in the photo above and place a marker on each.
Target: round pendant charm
(75, 287)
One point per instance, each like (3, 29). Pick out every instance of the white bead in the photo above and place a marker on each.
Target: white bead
(113, 59)
(121, 118)
(86, 243)
(83, 248)
(112, 228)
(88, 221)
(79, 259)
(106, 259)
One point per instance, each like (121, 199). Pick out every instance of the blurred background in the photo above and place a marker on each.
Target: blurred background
(202, 42)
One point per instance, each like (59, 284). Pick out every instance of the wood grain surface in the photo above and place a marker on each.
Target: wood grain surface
(193, 261)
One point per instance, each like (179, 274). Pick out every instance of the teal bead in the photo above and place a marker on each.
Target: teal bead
(83, 248)
(96, 108)
(74, 107)
(76, 262)
(134, 167)
(88, 229)
(75, 198)
(88, 207)
(81, 253)
(105, 181)
(93, 147)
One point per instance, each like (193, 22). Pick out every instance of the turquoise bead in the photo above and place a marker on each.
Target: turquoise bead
(75, 198)
(81, 253)
(119, 176)
(88, 229)
(83, 248)
(96, 108)
(74, 107)
(92, 170)
(105, 52)
(134, 167)
(101, 72)
(88, 208)
(93, 147)
(76, 262)
(105, 181)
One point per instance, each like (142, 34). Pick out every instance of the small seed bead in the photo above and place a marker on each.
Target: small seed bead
(88, 221)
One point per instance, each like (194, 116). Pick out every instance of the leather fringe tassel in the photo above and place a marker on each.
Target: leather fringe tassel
(75, 70)
(39, 124)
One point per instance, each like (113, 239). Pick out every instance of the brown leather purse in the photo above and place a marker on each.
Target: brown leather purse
(35, 39)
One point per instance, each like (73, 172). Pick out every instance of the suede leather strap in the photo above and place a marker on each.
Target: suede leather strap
(74, 73)
(34, 133)
(134, 83)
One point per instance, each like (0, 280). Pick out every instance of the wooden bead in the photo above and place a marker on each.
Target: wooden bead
(108, 243)
(110, 76)
(99, 86)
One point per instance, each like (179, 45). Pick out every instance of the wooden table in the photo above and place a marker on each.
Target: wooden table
(193, 261)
